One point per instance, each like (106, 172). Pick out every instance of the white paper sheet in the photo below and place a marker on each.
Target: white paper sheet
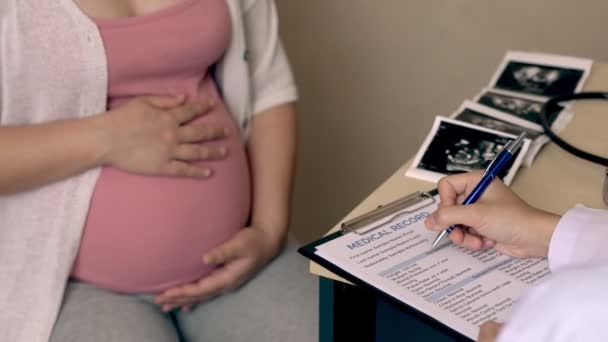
(460, 288)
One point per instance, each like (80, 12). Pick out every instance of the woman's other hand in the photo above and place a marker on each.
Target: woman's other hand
(500, 219)
(240, 258)
(149, 135)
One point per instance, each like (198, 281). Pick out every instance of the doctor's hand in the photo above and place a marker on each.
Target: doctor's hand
(489, 331)
(499, 219)
(240, 258)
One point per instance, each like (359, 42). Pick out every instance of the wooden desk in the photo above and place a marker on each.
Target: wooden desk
(556, 181)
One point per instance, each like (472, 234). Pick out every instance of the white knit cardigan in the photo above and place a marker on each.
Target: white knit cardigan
(53, 66)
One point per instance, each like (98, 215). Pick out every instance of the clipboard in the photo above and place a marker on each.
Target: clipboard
(368, 222)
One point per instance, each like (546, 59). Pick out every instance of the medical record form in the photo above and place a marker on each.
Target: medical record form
(458, 288)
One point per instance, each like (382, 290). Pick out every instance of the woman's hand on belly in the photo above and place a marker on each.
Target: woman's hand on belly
(148, 136)
(240, 259)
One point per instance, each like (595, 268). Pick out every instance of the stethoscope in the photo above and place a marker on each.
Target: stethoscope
(552, 107)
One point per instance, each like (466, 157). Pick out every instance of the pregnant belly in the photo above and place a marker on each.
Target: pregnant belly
(146, 234)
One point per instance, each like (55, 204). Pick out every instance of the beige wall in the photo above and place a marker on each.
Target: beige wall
(373, 74)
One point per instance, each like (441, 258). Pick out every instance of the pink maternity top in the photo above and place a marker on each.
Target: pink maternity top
(145, 234)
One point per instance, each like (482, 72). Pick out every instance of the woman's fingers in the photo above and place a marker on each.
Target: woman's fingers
(201, 132)
(188, 112)
(184, 169)
(195, 152)
(153, 136)
(164, 102)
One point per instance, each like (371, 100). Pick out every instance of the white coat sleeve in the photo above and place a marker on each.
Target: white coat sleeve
(570, 306)
(580, 238)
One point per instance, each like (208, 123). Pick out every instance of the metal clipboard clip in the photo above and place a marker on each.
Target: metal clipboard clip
(387, 213)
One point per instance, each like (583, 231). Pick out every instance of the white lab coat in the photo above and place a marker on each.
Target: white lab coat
(572, 305)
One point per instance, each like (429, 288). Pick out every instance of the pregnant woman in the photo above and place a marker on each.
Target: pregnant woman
(149, 149)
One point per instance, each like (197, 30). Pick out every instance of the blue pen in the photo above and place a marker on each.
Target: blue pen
(495, 168)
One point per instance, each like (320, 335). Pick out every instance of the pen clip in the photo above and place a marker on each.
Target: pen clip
(511, 147)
